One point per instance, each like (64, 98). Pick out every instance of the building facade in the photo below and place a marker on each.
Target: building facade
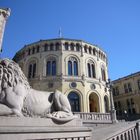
(126, 92)
(4, 14)
(76, 68)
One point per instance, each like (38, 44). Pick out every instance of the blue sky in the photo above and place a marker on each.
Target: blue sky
(114, 25)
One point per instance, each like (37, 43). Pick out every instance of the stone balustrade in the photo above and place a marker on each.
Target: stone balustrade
(131, 133)
(94, 117)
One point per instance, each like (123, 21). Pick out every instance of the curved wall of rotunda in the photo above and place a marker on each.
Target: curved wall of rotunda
(76, 68)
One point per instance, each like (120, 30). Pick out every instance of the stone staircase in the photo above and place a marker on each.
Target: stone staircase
(107, 131)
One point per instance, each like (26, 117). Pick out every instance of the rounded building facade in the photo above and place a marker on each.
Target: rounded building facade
(76, 68)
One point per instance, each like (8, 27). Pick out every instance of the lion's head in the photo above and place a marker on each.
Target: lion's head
(11, 74)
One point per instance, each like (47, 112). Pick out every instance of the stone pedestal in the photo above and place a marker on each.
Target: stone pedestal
(24, 128)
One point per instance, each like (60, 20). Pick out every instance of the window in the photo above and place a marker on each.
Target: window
(31, 70)
(66, 46)
(37, 49)
(33, 50)
(90, 50)
(51, 67)
(130, 106)
(72, 47)
(85, 49)
(75, 68)
(29, 51)
(72, 67)
(46, 47)
(127, 87)
(116, 91)
(103, 74)
(69, 67)
(77, 47)
(118, 108)
(74, 100)
(94, 51)
(57, 46)
(51, 47)
(91, 69)
(138, 84)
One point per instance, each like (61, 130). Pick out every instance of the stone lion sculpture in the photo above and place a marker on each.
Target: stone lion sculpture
(16, 93)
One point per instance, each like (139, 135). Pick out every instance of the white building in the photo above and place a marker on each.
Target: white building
(76, 68)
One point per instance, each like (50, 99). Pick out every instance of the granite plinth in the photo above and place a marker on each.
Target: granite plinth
(25, 128)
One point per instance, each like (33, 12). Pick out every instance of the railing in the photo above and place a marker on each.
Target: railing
(94, 117)
(132, 133)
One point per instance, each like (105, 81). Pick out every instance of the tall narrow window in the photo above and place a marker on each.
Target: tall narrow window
(53, 67)
(37, 49)
(69, 68)
(138, 84)
(29, 51)
(46, 47)
(91, 69)
(75, 68)
(49, 68)
(103, 74)
(66, 46)
(32, 70)
(33, 50)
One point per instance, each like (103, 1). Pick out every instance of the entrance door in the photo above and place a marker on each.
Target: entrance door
(74, 100)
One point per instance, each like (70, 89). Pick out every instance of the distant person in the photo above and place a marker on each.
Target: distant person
(125, 115)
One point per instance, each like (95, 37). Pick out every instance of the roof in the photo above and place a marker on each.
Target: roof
(127, 77)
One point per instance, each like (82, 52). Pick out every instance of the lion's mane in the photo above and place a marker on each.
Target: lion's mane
(11, 74)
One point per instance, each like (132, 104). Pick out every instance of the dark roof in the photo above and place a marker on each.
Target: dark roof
(127, 77)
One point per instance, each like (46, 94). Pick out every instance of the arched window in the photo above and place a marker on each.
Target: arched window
(90, 50)
(74, 100)
(37, 49)
(46, 47)
(72, 47)
(51, 47)
(33, 50)
(77, 47)
(91, 69)
(69, 67)
(75, 68)
(51, 67)
(66, 46)
(85, 49)
(32, 70)
(29, 51)
(103, 74)
(72, 67)
(94, 51)
(57, 46)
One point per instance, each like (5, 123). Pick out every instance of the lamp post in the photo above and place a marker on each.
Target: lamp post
(112, 108)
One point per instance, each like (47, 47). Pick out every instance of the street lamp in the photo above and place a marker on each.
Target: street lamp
(109, 85)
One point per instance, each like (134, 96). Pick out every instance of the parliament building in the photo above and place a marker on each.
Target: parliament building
(76, 68)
